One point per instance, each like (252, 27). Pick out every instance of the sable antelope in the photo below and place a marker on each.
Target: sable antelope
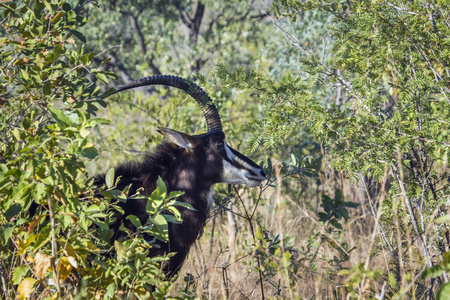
(188, 163)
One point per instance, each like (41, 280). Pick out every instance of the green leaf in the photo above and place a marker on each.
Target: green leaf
(183, 204)
(101, 224)
(89, 152)
(120, 251)
(24, 74)
(175, 213)
(12, 211)
(443, 219)
(444, 292)
(47, 89)
(109, 178)
(102, 77)
(172, 219)
(79, 35)
(64, 220)
(110, 291)
(19, 273)
(93, 208)
(118, 208)
(84, 222)
(134, 220)
(161, 187)
(174, 194)
(435, 271)
(61, 119)
(98, 215)
(5, 233)
(84, 132)
(16, 134)
(350, 204)
(162, 226)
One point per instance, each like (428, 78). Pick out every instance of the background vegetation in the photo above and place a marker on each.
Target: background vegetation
(345, 103)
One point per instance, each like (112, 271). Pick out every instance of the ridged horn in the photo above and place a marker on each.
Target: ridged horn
(213, 123)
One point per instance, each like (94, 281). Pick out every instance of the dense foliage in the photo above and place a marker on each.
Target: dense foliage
(345, 103)
(385, 128)
(49, 104)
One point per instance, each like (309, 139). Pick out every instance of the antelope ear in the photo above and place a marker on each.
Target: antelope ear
(179, 139)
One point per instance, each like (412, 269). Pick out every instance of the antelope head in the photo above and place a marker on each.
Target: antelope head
(208, 154)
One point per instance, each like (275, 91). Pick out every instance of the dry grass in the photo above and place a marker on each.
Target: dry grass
(224, 271)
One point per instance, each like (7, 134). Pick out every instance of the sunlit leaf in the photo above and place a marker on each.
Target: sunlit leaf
(19, 273)
(444, 292)
(57, 17)
(26, 288)
(109, 178)
(443, 219)
(134, 220)
(64, 268)
(5, 233)
(41, 263)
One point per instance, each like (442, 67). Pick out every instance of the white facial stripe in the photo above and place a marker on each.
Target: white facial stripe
(238, 171)
(230, 154)
(242, 163)
(232, 157)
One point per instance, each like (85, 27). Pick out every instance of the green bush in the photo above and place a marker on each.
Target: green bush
(50, 94)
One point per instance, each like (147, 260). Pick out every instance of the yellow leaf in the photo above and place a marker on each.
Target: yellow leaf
(41, 263)
(26, 288)
(84, 132)
(35, 222)
(23, 245)
(70, 253)
(73, 261)
(18, 62)
(57, 17)
(64, 268)
(344, 272)
(143, 293)
(60, 197)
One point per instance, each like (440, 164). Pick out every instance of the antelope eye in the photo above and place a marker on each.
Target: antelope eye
(220, 146)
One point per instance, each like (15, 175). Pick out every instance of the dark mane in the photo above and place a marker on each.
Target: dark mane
(165, 161)
(137, 173)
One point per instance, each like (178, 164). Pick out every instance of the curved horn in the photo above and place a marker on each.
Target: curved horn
(213, 123)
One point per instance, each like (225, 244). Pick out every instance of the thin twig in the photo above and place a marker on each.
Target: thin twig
(54, 246)
(377, 222)
(287, 35)
(377, 218)
(396, 171)
(3, 275)
(381, 295)
(106, 50)
(249, 219)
